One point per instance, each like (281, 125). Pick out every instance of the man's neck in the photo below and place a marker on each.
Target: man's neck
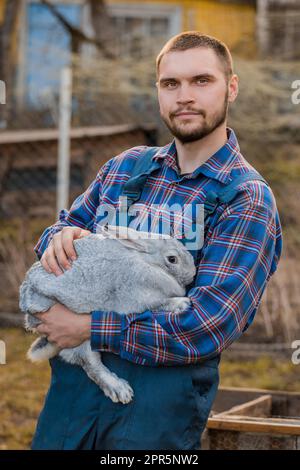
(193, 154)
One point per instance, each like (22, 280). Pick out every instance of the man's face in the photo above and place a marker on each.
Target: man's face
(193, 93)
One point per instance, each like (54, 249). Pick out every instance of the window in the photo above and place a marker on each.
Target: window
(143, 29)
(47, 48)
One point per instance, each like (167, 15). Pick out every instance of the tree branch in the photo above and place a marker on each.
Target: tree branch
(77, 35)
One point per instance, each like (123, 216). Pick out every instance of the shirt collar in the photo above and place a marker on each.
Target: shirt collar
(218, 166)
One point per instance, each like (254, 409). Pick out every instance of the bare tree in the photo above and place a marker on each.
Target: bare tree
(101, 24)
(7, 57)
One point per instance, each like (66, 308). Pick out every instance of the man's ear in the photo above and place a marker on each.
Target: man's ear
(233, 88)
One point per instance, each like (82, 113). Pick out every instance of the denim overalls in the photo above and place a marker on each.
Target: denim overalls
(171, 404)
(169, 409)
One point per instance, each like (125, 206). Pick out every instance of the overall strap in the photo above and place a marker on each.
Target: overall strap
(142, 168)
(227, 194)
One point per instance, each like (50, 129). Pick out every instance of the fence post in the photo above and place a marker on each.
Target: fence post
(2, 352)
(63, 164)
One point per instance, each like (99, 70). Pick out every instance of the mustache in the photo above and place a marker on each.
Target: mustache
(198, 111)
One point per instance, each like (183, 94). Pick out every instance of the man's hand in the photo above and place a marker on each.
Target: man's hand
(60, 252)
(64, 327)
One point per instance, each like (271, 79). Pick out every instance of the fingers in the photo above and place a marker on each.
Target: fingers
(84, 233)
(49, 261)
(61, 252)
(42, 329)
(45, 264)
(40, 315)
(67, 238)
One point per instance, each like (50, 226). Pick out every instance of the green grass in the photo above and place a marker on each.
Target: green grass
(264, 372)
(23, 385)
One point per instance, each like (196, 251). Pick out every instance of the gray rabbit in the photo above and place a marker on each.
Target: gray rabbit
(118, 269)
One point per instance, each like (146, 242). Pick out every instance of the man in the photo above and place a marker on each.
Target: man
(170, 360)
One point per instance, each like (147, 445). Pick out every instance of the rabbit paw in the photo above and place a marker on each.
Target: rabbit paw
(118, 390)
(178, 304)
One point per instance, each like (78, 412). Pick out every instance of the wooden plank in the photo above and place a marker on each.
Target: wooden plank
(284, 403)
(260, 407)
(232, 440)
(258, 391)
(8, 137)
(257, 425)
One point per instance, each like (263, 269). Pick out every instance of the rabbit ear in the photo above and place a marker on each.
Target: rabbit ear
(102, 230)
(135, 244)
(111, 231)
(125, 235)
(135, 239)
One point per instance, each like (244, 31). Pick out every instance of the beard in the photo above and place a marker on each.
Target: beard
(202, 130)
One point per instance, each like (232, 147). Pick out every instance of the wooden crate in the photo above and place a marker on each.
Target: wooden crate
(254, 419)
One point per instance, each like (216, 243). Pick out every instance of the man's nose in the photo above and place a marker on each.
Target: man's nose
(185, 95)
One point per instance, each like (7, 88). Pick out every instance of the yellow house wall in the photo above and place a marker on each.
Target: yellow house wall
(232, 23)
(14, 40)
(2, 5)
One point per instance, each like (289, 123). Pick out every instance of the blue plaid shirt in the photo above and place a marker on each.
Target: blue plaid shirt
(241, 250)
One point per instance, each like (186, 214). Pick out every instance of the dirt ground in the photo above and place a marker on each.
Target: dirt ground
(23, 386)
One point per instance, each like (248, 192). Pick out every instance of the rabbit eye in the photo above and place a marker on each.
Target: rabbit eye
(173, 259)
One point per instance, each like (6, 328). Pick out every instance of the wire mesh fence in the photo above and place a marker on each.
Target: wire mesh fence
(28, 171)
(114, 107)
(106, 123)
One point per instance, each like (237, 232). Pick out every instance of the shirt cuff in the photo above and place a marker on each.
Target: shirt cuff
(106, 330)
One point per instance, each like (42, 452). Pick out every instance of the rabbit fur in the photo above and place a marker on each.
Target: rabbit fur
(118, 269)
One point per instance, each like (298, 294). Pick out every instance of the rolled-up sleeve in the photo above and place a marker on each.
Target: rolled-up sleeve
(236, 261)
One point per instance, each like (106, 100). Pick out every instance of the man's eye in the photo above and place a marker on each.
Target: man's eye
(170, 84)
(202, 81)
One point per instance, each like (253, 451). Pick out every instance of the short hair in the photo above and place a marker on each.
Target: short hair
(193, 39)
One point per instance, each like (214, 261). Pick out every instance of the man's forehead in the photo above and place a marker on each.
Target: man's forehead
(190, 63)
